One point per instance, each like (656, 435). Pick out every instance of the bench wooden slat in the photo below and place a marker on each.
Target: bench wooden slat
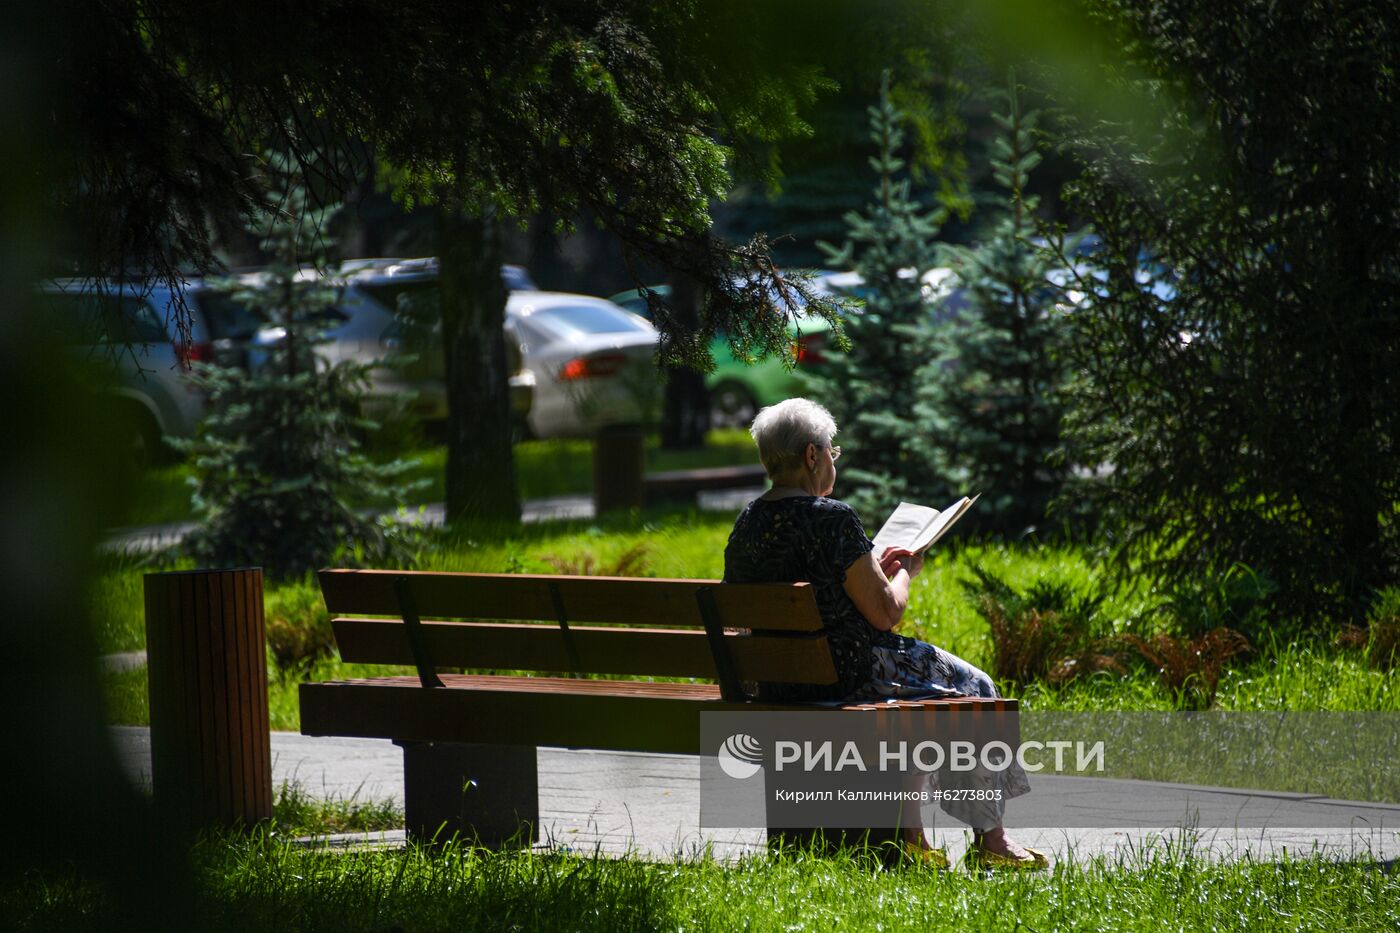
(632, 651)
(622, 600)
(618, 715)
(673, 483)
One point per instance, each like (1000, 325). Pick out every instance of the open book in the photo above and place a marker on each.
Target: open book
(916, 527)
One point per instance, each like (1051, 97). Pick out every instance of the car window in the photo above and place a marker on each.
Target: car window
(533, 338)
(226, 316)
(569, 322)
(636, 304)
(416, 307)
(88, 318)
(417, 298)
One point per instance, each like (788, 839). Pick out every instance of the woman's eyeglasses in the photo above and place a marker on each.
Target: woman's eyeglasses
(835, 453)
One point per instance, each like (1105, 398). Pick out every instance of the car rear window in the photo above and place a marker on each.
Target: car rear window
(567, 322)
(89, 318)
(226, 316)
(417, 298)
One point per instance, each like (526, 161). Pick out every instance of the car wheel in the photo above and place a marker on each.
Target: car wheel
(139, 438)
(731, 406)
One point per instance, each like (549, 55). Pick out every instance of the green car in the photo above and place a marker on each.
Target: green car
(739, 389)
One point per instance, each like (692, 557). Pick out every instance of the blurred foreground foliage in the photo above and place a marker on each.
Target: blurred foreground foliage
(1238, 331)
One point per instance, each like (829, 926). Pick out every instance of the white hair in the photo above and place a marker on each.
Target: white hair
(783, 431)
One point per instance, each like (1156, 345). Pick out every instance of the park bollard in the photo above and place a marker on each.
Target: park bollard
(211, 756)
(619, 461)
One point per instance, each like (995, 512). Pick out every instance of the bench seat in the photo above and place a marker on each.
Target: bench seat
(682, 484)
(616, 715)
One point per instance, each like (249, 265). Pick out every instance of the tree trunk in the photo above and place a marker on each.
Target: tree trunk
(480, 462)
(686, 413)
(547, 267)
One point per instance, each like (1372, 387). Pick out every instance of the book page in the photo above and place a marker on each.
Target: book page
(905, 526)
(917, 527)
(946, 519)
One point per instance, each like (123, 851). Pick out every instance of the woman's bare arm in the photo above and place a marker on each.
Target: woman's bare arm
(879, 598)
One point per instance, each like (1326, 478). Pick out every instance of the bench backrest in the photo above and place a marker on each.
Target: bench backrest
(563, 624)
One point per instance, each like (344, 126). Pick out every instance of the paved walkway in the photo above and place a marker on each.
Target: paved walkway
(650, 804)
(148, 538)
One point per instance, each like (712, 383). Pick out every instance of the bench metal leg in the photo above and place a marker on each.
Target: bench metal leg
(486, 794)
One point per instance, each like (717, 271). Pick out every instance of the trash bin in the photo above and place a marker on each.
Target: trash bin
(211, 757)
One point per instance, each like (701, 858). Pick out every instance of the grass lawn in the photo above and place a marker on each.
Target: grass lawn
(260, 883)
(689, 544)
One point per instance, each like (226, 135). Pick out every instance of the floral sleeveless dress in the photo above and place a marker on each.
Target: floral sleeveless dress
(815, 539)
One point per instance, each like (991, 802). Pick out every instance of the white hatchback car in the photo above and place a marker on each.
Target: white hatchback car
(576, 363)
(594, 362)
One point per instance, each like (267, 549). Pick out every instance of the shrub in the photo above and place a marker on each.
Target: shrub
(869, 388)
(1190, 667)
(1238, 599)
(1046, 632)
(1236, 359)
(991, 401)
(298, 628)
(279, 479)
(633, 562)
(1379, 640)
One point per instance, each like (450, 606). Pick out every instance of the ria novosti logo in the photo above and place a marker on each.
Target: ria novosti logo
(741, 756)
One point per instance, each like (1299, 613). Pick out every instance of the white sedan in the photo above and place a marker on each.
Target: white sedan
(594, 362)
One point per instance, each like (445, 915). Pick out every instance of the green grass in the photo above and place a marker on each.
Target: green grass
(543, 468)
(298, 813)
(691, 545)
(257, 882)
(1299, 676)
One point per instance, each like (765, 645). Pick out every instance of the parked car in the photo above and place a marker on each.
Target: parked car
(129, 330)
(387, 310)
(738, 388)
(593, 361)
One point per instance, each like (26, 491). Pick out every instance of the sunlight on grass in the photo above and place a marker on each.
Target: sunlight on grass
(691, 545)
(258, 882)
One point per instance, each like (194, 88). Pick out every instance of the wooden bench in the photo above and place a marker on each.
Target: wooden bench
(480, 730)
(684, 484)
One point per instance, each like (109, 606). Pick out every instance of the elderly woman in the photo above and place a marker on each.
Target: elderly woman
(794, 532)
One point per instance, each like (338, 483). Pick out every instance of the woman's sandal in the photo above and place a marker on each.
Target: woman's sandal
(924, 857)
(979, 859)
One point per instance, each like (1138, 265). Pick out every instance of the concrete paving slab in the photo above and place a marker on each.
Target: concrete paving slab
(620, 802)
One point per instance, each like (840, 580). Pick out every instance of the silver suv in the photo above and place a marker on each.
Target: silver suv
(387, 310)
(128, 331)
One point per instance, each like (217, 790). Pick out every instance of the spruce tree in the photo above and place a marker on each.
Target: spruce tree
(280, 480)
(871, 389)
(991, 405)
